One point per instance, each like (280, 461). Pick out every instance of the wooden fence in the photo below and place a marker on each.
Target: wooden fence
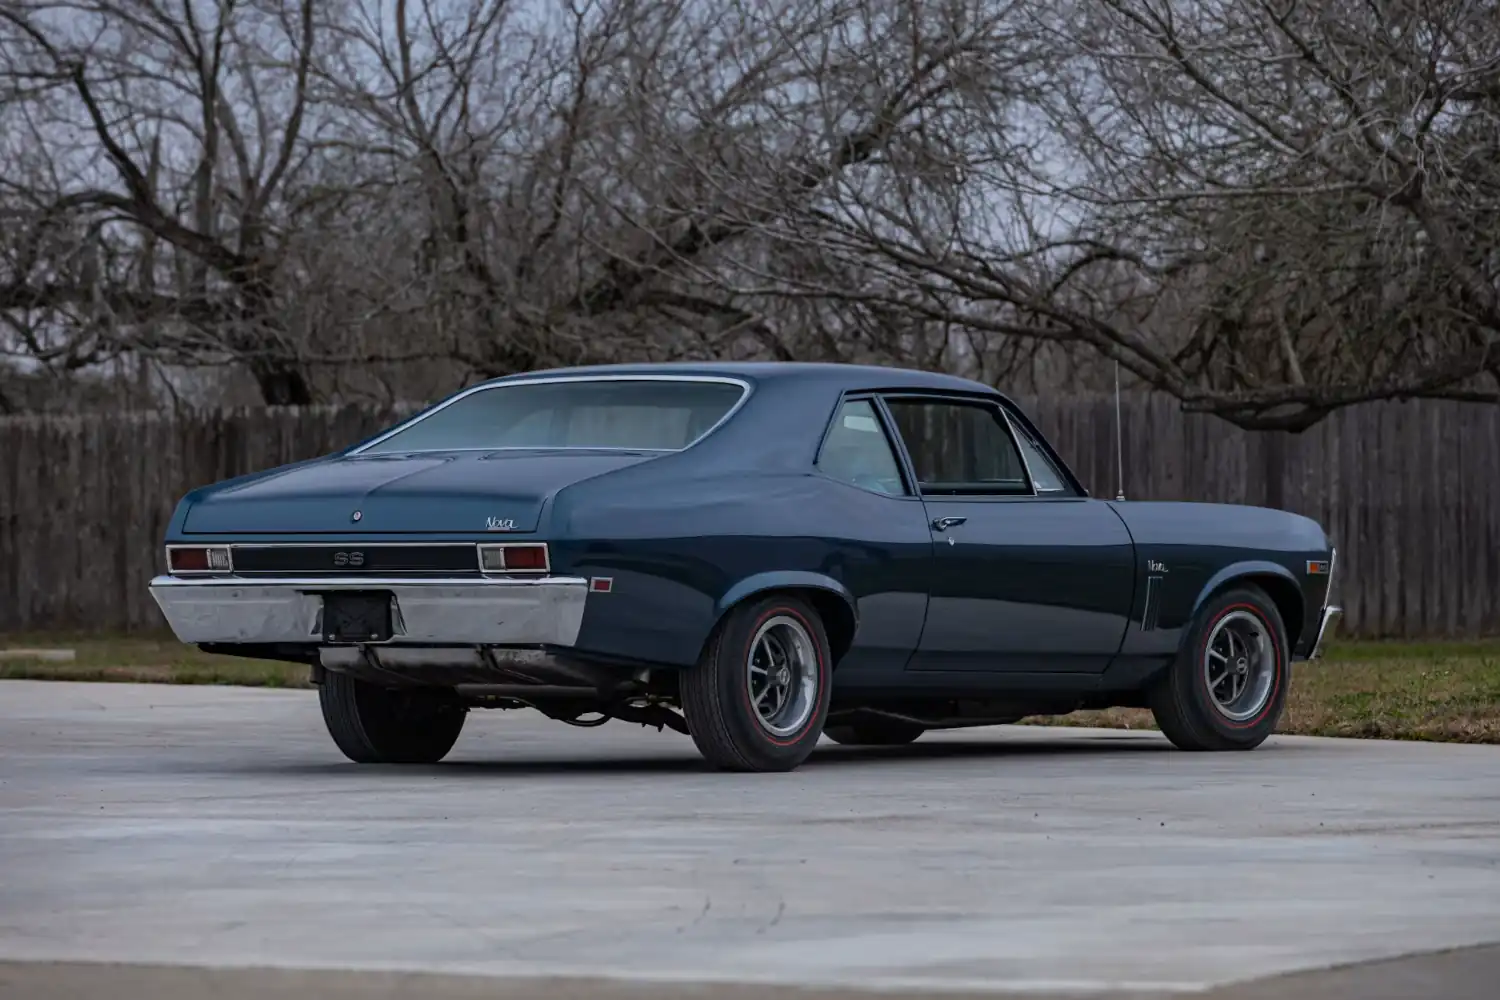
(1409, 491)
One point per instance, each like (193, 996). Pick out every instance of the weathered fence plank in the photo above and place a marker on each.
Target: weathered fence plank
(1407, 490)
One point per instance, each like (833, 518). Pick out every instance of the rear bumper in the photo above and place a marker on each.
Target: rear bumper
(477, 611)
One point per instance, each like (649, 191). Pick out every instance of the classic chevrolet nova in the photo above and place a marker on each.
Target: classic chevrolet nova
(755, 555)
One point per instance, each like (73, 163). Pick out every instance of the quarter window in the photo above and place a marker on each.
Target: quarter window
(1046, 475)
(960, 448)
(858, 452)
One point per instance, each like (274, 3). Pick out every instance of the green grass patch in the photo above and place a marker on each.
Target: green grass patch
(1448, 691)
(143, 659)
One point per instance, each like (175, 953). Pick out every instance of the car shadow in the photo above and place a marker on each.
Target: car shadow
(950, 747)
(499, 761)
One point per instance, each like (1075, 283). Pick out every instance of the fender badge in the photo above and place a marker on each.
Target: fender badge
(355, 516)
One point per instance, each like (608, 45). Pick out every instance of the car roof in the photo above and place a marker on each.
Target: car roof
(824, 374)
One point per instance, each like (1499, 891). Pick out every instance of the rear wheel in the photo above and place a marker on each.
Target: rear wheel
(1227, 688)
(874, 732)
(376, 725)
(757, 699)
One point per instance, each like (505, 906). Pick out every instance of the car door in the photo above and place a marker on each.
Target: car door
(879, 542)
(1023, 579)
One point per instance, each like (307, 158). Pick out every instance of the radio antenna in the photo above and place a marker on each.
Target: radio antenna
(1119, 440)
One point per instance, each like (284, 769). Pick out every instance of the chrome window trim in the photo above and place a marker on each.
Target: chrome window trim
(746, 390)
(526, 447)
(1021, 435)
(1015, 440)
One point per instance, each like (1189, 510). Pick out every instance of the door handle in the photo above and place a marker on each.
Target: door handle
(944, 523)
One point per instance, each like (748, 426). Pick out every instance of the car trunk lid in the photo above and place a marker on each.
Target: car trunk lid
(425, 493)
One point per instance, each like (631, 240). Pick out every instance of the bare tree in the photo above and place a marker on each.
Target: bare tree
(153, 221)
(589, 181)
(1327, 196)
(455, 181)
(1267, 208)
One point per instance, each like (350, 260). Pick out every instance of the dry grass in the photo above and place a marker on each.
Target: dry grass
(1380, 690)
(1386, 690)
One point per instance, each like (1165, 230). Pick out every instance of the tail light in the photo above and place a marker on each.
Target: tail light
(514, 557)
(199, 559)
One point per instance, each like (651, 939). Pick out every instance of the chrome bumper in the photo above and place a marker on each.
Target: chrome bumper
(1330, 610)
(1329, 614)
(477, 611)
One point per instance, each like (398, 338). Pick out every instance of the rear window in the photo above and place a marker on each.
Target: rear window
(636, 414)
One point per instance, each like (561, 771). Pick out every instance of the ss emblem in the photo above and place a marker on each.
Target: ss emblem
(348, 558)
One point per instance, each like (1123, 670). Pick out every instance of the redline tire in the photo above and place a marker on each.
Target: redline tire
(375, 725)
(726, 712)
(1193, 711)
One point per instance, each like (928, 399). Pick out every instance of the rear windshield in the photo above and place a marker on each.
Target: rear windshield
(606, 413)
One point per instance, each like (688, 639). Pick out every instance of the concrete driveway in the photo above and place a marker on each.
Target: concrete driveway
(219, 827)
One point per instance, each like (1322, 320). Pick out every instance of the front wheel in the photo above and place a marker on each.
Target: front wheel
(376, 725)
(757, 699)
(1228, 685)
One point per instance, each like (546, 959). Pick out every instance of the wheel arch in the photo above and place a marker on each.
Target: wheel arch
(829, 598)
(1276, 580)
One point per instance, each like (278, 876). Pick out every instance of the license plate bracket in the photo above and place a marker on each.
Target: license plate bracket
(357, 616)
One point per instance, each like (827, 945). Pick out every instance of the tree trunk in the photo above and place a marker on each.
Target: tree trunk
(1273, 467)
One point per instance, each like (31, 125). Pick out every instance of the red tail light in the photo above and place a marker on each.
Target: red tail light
(526, 557)
(199, 559)
(514, 557)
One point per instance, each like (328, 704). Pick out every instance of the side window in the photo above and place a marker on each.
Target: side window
(960, 449)
(857, 451)
(1049, 481)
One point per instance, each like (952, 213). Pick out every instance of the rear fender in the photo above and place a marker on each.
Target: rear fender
(834, 602)
(782, 580)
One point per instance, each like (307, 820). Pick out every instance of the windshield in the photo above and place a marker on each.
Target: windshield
(633, 414)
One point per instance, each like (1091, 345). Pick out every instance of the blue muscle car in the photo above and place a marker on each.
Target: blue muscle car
(751, 554)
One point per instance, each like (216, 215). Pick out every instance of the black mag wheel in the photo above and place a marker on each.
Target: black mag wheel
(874, 732)
(757, 699)
(1239, 665)
(1227, 688)
(375, 725)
